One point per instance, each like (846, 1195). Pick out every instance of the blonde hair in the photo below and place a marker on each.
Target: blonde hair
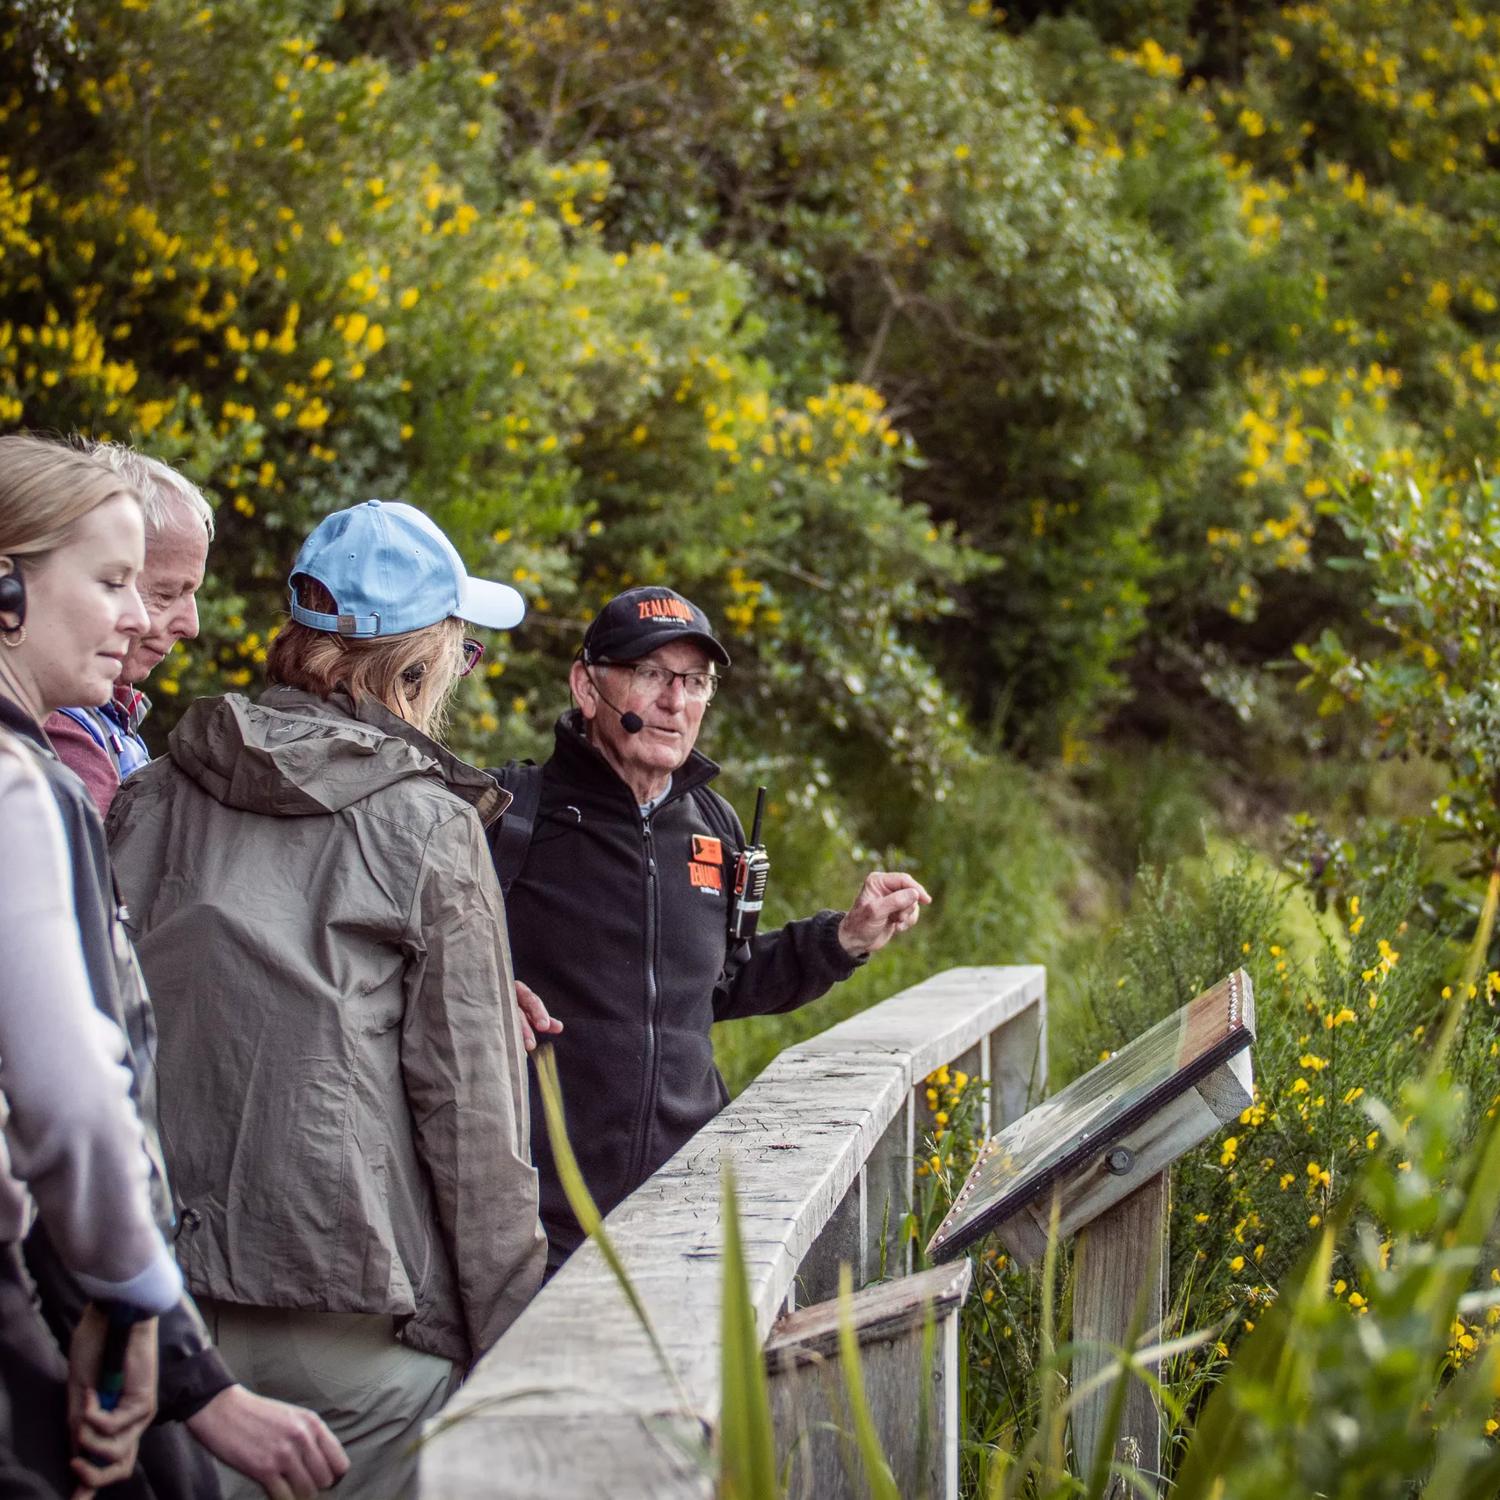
(413, 675)
(46, 489)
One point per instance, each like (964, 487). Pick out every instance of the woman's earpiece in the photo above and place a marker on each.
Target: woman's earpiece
(13, 602)
(411, 680)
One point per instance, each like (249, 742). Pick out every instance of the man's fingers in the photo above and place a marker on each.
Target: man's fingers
(100, 1450)
(301, 1484)
(310, 1458)
(320, 1472)
(889, 902)
(888, 907)
(897, 912)
(333, 1454)
(887, 882)
(321, 1456)
(105, 1426)
(535, 1019)
(899, 882)
(95, 1476)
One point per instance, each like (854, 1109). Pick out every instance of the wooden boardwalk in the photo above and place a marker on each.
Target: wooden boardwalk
(573, 1401)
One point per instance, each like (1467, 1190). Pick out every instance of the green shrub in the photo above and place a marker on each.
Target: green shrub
(994, 853)
(292, 267)
(1343, 1023)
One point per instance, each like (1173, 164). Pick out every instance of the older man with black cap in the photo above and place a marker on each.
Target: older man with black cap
(617, 859)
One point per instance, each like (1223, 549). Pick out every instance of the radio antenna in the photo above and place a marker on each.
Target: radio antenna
(760, 812)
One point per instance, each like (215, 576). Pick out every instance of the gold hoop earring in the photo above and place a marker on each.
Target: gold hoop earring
(14, 636)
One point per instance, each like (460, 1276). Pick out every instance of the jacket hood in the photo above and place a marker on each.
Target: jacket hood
(292, 754)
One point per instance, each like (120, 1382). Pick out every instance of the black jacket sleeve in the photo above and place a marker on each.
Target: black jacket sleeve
(779, 971)
(190, 1371)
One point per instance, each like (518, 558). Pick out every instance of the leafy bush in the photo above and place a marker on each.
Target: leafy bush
(1342, 1025)
(1007, 880)
(294, 270)
(889, 173)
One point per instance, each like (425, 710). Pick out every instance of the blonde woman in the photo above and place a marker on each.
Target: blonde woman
(71, 542)
(341, 1059)
(70, 558)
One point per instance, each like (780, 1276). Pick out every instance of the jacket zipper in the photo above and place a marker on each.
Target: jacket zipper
(653, 1000)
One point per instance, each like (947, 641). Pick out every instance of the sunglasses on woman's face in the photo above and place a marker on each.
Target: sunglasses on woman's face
(473, 650)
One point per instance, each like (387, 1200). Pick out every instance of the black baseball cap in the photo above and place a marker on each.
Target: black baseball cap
(641, 619)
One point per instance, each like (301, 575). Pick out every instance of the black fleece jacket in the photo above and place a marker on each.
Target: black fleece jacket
(620, 924)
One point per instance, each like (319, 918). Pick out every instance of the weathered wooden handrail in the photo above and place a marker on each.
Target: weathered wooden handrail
(574, 1402)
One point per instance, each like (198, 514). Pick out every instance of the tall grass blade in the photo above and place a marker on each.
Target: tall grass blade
(747, 1441)
(1467, 1465)
(586, 1211)
(1481, 1202)
(1051, 1418)
(1268, 1357)
(878, 1476)
(1041, 1460)
(1473, 966)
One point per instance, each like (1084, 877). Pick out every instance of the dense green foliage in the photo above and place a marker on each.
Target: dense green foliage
(1079, 417)
(1345, 1180)
(768, 299)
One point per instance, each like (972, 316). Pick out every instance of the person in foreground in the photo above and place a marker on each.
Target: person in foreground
(617, 864)
(341, 1062)
(199, 1401)
(70, 550)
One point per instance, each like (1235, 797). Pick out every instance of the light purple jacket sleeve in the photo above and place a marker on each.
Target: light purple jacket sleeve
(73, 1139)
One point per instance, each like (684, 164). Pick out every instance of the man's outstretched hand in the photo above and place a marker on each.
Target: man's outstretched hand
(888, 903)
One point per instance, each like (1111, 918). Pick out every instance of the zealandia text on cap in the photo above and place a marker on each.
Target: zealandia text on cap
(657, 609)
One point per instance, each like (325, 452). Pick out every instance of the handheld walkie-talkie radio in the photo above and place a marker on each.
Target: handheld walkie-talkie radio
(751, 871)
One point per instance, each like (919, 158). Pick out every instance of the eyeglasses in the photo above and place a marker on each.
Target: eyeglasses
(473, 650)
(650, 679)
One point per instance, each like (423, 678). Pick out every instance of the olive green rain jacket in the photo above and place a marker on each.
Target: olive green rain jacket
(342, 1079)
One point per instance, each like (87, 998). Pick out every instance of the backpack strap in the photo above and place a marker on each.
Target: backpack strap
(510, 835)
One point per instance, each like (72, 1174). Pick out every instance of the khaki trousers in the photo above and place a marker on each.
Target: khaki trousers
(373, 1392)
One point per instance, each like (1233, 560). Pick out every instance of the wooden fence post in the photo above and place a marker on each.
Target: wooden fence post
(911, 1386)
(1120, 1286)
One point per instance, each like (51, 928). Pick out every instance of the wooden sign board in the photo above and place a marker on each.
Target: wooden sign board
(1157, 1096)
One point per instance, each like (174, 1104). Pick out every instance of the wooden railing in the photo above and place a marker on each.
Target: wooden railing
(573, 1401)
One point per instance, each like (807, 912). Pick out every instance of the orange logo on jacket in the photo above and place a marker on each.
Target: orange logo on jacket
(706, 867)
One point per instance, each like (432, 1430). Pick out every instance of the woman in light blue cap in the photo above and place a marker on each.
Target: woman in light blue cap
(342, 1070)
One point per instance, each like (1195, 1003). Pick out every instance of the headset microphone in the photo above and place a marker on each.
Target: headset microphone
(630, 721)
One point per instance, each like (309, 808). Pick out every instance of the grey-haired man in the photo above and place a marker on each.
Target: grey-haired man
(618, 861)
(102, 746)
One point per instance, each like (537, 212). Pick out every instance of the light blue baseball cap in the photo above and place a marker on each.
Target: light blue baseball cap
(391, 570)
